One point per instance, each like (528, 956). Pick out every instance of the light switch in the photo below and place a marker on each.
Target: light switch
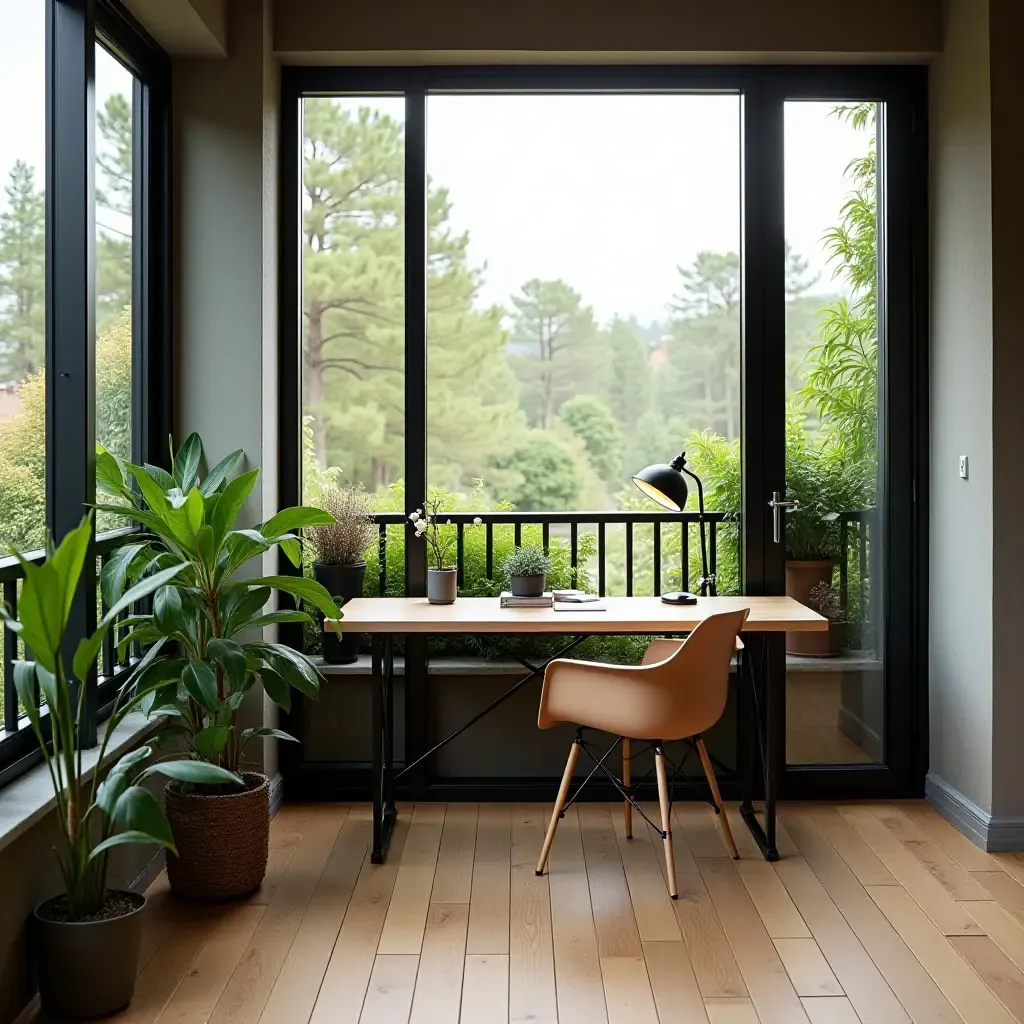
(963, 467)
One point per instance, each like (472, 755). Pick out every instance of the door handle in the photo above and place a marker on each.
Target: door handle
(777, 504)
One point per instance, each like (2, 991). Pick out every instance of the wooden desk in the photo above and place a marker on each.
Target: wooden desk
(387, 617)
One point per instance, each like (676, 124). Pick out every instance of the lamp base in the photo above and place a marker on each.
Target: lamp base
(679, 597)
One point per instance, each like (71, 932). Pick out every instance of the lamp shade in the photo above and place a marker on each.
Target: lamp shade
(663, 484)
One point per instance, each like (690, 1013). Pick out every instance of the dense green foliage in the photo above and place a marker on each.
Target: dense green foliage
(93, 815)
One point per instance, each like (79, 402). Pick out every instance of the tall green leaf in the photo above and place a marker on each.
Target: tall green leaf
(303, 588)
(220, 472)
(186, 461)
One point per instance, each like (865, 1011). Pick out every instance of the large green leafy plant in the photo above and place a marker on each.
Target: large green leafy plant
(210, 611)
(94, 815)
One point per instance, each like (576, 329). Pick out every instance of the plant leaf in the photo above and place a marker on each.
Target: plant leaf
(186, 461)
(209, 742)
(303, 588)
(276, 688)
(220, 472)
(167, 610)
(199, 772)
(124, 839)
(110, 474)
(160, 475)
(116, 570)
(294, 518)
(248, 734)
(231, 657)
(25, 687)
(198, 679)
(230, 504)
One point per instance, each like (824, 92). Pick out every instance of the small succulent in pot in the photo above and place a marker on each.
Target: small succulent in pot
(339, 562)
(526, 570)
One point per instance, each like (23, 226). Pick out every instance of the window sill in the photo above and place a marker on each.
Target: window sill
(30, 798)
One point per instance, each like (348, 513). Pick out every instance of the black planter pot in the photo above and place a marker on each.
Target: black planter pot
(342, 582)
(87, 968)
(528, 586)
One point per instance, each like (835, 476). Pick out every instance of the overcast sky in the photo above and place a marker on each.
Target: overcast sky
(610, 193)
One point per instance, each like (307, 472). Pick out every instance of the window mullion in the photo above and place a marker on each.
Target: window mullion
(70, 299)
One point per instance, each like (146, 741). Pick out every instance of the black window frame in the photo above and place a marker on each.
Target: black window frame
(763, 90)
(73, 29)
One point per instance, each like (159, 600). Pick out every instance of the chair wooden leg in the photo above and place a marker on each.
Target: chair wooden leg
(563, 793)
(627, 806)
(666, 822)
(709, 771)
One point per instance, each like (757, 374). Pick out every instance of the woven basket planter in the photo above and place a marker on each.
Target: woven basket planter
(222, 840)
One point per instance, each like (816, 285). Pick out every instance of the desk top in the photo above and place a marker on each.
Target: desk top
(622, 615)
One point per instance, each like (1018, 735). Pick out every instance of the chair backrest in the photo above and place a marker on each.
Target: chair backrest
(695, 679)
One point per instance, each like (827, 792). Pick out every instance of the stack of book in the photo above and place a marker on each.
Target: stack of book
(509, 601)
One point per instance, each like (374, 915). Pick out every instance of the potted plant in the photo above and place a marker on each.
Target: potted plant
(527, 569)
(825, 601)
(338, 548)
(214, 613)
(87, 938)
(442, 579)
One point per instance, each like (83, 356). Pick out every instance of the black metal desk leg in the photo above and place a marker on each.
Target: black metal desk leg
(766, 716)
(383, 746)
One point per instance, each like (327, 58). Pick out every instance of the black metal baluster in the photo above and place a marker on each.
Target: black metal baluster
(10, 657)
(629, 559)
(713, 555)
(460, 552)
(657, 559)
(844, 558)
(518, 534)
(382, 559)
(600, 559)
(489, 552)
(863, 531)
(545, 536)
(574, 550)
(684, 556)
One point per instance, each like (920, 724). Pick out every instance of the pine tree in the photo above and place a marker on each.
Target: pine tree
(353, 292)
(22, 276)
(554, 348)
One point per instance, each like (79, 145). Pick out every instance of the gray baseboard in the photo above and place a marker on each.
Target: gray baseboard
(276, 793)
(994, 833)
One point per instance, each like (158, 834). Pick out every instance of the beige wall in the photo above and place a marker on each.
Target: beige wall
(1007, 90)
(334, 30)
(225, 114)
(960, 655)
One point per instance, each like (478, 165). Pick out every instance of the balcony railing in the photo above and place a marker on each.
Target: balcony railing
(551, 524)
(18, 749)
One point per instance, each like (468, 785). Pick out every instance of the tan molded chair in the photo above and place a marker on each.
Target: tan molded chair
(678, 692)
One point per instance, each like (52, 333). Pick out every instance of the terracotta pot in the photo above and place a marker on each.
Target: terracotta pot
(801, 579)
(87, 968)
(223, 839)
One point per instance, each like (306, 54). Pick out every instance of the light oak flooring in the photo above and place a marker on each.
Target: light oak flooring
(875, 913)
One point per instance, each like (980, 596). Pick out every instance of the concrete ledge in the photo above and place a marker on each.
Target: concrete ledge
(29, 798)
(992, 833)
(848, 661)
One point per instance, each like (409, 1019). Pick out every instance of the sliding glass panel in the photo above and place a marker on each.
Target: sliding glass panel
(583, 308)
(834, 548)
(353, 295)
(22, 274)
(115, 86)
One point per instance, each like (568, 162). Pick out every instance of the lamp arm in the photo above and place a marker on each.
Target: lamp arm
(706, 579)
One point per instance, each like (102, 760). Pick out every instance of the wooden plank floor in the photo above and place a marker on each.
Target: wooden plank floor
(877, 913)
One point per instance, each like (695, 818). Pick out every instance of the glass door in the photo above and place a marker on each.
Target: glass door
(839, 406)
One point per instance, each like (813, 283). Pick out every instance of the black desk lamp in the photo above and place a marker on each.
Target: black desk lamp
(665, 485)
